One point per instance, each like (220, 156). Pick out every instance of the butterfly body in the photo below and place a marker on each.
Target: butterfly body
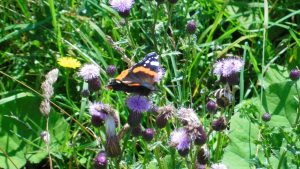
(140, 78)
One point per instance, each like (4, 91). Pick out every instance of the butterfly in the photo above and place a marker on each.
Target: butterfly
(140, 78)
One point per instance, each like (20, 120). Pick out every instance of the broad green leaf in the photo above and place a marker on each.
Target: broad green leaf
(21, 125)
(279, 100)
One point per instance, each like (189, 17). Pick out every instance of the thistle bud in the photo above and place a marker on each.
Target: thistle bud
(136, 131)
(295, 74)
(191, 27)
(211, 106)
(219, 124)
(94, 84)
(266, 117)
(203, 156)
(148, 134)
(201, 137)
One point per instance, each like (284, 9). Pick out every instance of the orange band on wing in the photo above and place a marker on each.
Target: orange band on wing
(133, 84)
(123, 74)
(144, 70)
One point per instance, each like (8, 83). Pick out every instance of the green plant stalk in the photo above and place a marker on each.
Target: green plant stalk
(265, 152)
(56, 26)
(7, 156)
(153, 27)
(281, 159)
(47, 144)
(67, 83)
(171, 150)
(219, 147)
(129, 33)
(242, 85)
(298, 113)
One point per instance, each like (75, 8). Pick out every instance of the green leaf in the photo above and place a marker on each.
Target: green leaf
(21, 126)
(279, 100)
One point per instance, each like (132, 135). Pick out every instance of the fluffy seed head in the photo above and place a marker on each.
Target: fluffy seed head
(47, 89)
(138, 103)
(89, 72)
(188, 117)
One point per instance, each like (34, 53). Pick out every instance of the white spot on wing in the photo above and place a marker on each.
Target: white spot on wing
(154, 63)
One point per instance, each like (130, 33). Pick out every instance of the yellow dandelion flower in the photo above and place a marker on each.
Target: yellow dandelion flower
(68, 62)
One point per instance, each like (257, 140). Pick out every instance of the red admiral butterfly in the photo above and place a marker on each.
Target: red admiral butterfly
(140, 78)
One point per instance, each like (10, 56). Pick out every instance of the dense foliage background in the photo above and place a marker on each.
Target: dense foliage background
(34, 34)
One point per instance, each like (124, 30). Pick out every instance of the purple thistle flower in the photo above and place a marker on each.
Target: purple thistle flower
(100, 162)
(180, 139)
(89, 72)
(97, 109)
(122, 6)
(138, 103)
(111, 70)
(228, 69)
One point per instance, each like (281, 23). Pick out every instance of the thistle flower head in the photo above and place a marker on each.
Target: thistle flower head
(100, 162)
(179, 138)
(122, 6)
(218, 166)
(188, 117)
(219, 124)
(211, 106)
(228, 68)
(111, 70)
(89, 72)
(138, 103)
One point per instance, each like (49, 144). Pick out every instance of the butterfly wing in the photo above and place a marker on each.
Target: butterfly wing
(140, 78)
